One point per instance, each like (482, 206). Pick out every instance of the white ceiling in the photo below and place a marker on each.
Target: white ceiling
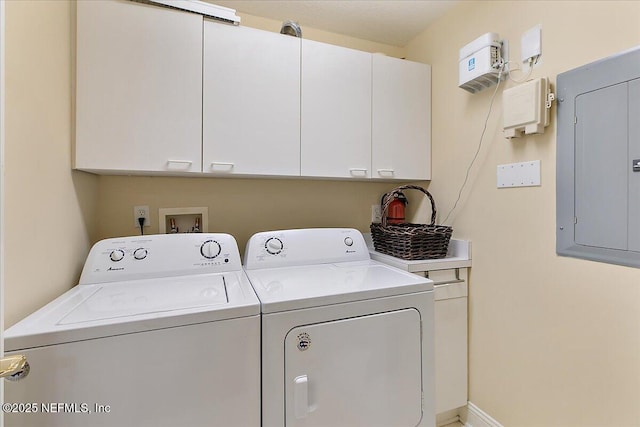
(393, 22)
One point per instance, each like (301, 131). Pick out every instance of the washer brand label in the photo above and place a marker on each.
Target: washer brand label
(115, 269)
(304, 342)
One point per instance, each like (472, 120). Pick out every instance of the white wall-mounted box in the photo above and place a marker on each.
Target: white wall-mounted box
(477, 63)
(526, 108)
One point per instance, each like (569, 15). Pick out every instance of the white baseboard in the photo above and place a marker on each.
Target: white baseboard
(472, 416)
(449, 417)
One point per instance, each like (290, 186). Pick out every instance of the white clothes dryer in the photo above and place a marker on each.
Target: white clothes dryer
(162, 330)
(346, 341)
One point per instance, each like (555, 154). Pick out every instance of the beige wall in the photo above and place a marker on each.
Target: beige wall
(323, 36)
(553, 341)
(239, 206)
(49, 210)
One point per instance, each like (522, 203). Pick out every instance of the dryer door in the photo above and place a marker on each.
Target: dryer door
(363, 371)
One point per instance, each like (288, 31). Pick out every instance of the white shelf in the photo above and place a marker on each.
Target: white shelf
(458, 256)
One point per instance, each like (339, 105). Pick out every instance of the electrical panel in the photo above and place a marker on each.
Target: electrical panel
(598, 151)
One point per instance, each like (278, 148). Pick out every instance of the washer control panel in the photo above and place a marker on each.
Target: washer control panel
(283, 248)
(161, 255)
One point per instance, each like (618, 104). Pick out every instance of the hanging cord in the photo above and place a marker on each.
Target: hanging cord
(531, 63)
(484, 129)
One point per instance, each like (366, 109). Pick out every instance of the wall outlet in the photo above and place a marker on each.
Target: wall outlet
(141, 212)
(376, 213)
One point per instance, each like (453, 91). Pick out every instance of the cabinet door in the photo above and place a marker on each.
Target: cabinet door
(139, 88)
(336, 111)
(451, 352)
(401, 111)
(251, 101)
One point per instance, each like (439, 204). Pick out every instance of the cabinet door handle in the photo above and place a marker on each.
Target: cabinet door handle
(179, 164)
(358, 171)
(301, 396)
(226, 166)
(386, 172)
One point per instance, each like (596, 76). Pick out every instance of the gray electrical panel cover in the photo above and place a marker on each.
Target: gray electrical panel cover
(598, 161)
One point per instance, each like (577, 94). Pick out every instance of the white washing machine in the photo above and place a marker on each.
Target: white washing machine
(162, 330)
(346, 341)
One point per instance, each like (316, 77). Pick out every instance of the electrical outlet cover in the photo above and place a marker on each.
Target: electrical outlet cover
(141, 211)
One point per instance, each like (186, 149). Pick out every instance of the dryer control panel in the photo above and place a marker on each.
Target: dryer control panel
(282, 248)
(160, 255)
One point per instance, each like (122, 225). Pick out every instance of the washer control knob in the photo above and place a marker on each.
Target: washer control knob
(116, 255)
(274, 245)
(348, 241)
(140, 253)
(210, 249)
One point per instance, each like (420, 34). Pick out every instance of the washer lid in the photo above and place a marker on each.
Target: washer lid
(120, 300)
(94, 311)
(291, 288)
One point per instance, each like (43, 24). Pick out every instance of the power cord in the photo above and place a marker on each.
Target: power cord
(531, 62)
(484, 129)
(141, 222)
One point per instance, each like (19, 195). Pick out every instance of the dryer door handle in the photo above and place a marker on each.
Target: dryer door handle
(301, 396)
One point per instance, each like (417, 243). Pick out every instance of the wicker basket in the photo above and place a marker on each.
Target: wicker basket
(410, 241)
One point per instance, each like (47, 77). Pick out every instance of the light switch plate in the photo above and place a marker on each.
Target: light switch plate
(525, 174)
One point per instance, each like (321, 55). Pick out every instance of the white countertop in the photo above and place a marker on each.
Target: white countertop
(458, 256)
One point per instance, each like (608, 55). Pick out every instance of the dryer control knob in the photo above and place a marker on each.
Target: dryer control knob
(274, 246)
(210, 249)
(116, 255)
(348, 241)
(140, 253)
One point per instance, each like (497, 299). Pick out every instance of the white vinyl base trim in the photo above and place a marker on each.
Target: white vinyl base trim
(449, 418)
(472, 416)
(466, 416)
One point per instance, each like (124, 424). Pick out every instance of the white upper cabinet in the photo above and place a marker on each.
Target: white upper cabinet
(138, 88)
(251, 102)
(336, 111)
(161, 91)
(401, 135)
